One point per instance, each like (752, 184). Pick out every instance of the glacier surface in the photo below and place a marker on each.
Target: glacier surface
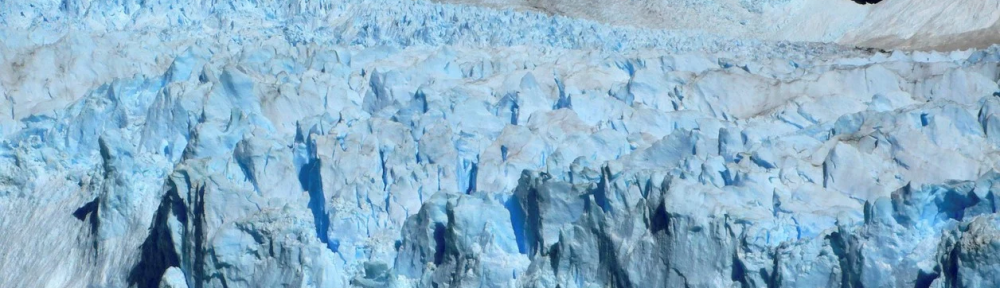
(398, 143)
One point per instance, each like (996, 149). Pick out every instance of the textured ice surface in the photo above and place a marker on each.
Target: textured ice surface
(892, 24)
(409, 144)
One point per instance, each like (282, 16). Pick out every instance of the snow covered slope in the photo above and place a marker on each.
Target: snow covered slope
(398, 143)
(940, 25)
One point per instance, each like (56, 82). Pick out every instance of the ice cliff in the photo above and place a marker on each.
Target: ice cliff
(398, 143)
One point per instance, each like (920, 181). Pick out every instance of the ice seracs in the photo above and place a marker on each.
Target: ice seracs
(363, 144)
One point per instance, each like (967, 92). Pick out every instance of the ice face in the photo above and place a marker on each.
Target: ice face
(412, 144)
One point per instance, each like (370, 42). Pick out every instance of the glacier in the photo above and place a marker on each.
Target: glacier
(400, 143)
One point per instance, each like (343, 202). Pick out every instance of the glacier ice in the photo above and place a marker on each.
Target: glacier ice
(913, 24)
(397, 143)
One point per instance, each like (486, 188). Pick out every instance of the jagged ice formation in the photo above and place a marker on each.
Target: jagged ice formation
(401, 143)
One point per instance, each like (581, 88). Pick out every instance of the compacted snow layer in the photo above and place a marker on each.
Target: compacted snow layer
(410, 144)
